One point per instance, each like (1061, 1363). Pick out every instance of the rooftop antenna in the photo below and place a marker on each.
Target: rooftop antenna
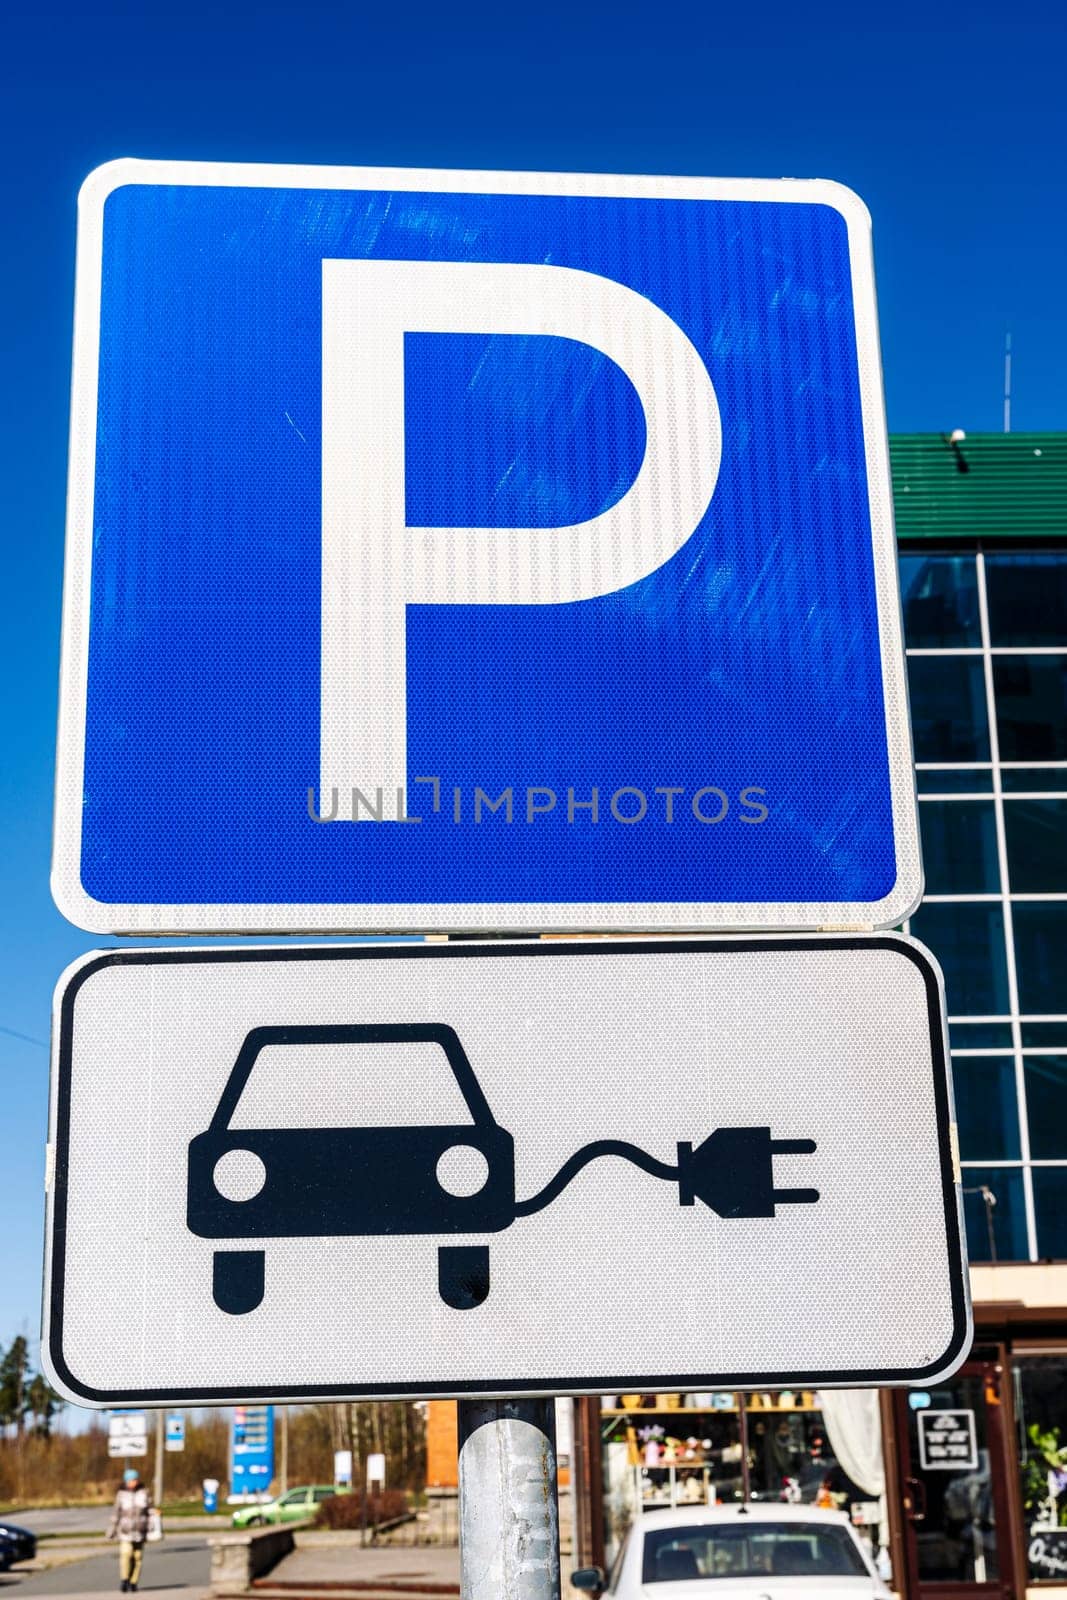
(1007, 383)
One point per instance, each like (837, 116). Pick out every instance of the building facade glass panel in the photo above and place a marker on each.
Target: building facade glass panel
(948, 708)
(1046, 1105)
(987, 1108)
(968, 940)
(1031, 695)
(959, 847)
(1027, 594)
(994, 1209)
(1050, 1211)
(939, 595)
(1036, 832)
(995, 912)
(1041, 956)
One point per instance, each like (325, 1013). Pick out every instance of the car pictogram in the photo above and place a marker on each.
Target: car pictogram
(272, 1182)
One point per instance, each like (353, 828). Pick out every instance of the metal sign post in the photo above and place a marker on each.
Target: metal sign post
(508, 1500)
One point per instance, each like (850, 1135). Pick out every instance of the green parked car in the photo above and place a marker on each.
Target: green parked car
(296, 1505)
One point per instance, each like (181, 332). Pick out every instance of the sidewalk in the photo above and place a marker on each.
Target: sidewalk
(395, 1571)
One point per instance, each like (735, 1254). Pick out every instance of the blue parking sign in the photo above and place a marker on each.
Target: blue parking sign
(478, 550)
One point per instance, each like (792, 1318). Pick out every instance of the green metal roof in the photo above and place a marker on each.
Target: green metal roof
(1014, 486)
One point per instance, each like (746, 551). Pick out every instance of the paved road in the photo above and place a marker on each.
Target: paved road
(94, 1519)
(180, 1565)
(63, 1519)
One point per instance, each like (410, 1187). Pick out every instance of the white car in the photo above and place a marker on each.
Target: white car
(758, 1551)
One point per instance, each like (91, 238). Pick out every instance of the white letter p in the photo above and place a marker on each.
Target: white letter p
(374, 565)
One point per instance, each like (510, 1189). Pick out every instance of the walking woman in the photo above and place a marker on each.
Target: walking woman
(129, 1525)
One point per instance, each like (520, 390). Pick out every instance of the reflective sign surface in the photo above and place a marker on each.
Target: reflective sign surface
(501, 1168)
(478, 550)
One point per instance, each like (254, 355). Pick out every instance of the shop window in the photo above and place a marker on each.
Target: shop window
(994, 1210)
(1041, 1420)
(1041, 956)
(968, 940)
(1046, 1106)
(980, 1036)
(987, 1107)
(1050, 1207)
(789, 1454)
(1036, 832)
(959, 842)
(948, 708)
(940, 600)
(1031, 700)
(1027, 597)
(666, 1449)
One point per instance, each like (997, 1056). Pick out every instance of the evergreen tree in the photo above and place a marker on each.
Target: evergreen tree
(14, 1381)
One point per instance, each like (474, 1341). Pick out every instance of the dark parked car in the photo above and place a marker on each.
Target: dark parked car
(16, 1544)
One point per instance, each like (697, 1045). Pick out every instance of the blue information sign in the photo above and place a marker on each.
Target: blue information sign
(251, 1449)
(461, 550)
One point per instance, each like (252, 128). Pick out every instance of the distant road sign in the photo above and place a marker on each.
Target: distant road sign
(175, 1435)
(127, 1425)
(463, 550)
(464, 1126)
(251, 1450)
(127, 1434)
(127, 1445)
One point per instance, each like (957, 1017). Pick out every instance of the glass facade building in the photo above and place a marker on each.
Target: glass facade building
(982, 531)
(986, 634)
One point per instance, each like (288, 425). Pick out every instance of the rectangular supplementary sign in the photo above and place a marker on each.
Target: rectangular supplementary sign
(422, 1153)
(948, 1441)
(251, 1449)
(478, 550)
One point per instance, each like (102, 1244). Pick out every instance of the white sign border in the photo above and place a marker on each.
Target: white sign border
(392, 917)
(63, 1379)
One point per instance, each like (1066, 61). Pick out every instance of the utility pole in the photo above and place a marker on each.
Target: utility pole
(283, 1474)
(161, 1428)
(508, 1504)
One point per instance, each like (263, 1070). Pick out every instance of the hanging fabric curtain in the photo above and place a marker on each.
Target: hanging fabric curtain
(854, 1428)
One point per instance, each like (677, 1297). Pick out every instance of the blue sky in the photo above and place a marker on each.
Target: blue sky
(948, 121)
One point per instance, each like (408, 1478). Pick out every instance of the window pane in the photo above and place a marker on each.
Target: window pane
(1031, 779)
(959, 840)
(948, 709)
(940, 599)
(980, 1036)
(1031, 697)
(1041, 956)
(987, 1107)
(1027, 597)
(1037, 845)
(1007, 1214)
(1044, 1035)
(1050, 1206)
(1041, 1423)
(955, 780)
(1046, 1106)
(968, 940)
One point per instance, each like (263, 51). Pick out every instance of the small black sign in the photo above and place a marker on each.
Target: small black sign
(1047, 1553)
(947, 1441)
